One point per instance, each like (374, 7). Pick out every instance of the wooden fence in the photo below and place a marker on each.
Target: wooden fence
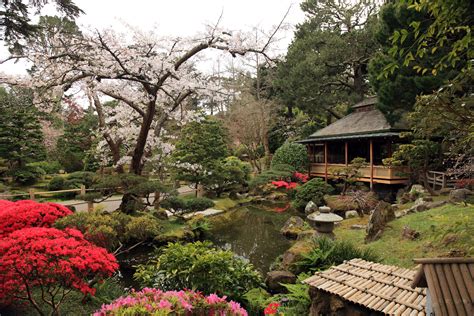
(439, 180)
(32, 195)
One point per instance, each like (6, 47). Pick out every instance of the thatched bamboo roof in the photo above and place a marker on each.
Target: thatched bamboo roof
(366, 121)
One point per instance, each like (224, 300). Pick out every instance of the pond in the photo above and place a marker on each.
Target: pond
(252, 232)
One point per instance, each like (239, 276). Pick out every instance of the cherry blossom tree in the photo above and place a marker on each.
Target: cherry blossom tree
(151, 79)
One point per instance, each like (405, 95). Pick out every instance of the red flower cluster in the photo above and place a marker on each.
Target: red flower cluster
(464, 184)
(47, 257)
(285, 185)
(24, 214)
(303, 178)
(271, 309)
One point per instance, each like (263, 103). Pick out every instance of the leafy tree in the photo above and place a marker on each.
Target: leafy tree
(398, 87)
(292, 154)
(326, 63)
(15, 22)
(21, 139)
(229, 175)
(201, 147)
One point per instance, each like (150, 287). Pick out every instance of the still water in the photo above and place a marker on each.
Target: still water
(252, 232)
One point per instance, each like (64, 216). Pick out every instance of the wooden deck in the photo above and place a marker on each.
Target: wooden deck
(374, 174)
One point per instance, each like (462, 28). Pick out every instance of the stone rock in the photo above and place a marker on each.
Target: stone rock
(395, 206)
(400, 213)
(459, 195)
(428, 199)
(307, 234)
(295, 254)
(160, 214)
(275, 278)
(311, 207)
(351, 214)
(418, 189)
(436, 204)
(409, 233)
(292, 227)
(358, 226)
(276, 196)
(445, 191)
(381, 215)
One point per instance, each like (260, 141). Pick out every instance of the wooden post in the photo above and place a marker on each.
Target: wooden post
(90, 206)
(346, 146)
(326, 161)
(371, 165)
(83, 190)
(32, 194)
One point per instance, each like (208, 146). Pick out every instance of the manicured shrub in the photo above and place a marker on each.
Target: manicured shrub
(279, 172)
(199, 266)
(27, 175)
(52, 261)
(77, 178)
(109, 230)
(292, 154)
(198, 204)
(50, 167)
(179, 206)
(313, 190)
(26, 213)
(157, 302)
(57, 183)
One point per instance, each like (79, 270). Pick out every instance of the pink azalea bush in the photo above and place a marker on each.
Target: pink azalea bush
(157, 302)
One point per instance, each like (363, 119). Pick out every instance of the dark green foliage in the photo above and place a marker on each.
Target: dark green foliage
(27, 175)
(229, 175)
(16, 24)
(199, 266)
(327, 46)
(21, 137)
(50, 167)
(57, 183)
(397, 92)
(313, 190)
(73, 147)
(328, 252)
(82, 177)
(292, 154)
(201, 147)
(180, 206)
(297, 301)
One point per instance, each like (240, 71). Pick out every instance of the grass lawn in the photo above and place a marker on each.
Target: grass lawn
(443, 229)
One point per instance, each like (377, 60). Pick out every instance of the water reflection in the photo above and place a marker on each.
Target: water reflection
(254, 234)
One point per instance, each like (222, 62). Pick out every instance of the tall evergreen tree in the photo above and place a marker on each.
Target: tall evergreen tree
(326, 64)
(21, 138)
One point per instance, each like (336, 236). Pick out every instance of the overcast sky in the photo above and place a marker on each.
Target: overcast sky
(182, 17)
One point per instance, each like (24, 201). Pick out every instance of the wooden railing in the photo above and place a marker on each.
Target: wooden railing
(380, 172)
(438, 180)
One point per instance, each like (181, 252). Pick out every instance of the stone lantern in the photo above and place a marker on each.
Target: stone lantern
(323, 221)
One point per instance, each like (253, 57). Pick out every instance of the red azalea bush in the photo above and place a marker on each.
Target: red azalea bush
(156, 302)
(297, 176)
(464, 184)
(301, 177)
(53, 260)
(27, 213)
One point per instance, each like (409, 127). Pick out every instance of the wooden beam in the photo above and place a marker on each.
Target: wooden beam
(371, 164)
(326, 161)
(346, 151)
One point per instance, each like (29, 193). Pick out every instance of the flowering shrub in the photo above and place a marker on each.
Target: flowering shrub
(464, 184)
(156, 302)
(23, 214)
(301, 177)
(285, 185)
(53, 260)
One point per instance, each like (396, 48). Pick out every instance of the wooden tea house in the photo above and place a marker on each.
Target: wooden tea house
(364, 133)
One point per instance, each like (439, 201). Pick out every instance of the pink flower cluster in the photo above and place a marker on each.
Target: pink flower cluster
(154, 301)
(301, 177)
(26, 213)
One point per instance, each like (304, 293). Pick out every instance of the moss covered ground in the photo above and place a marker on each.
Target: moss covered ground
(446, 230)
